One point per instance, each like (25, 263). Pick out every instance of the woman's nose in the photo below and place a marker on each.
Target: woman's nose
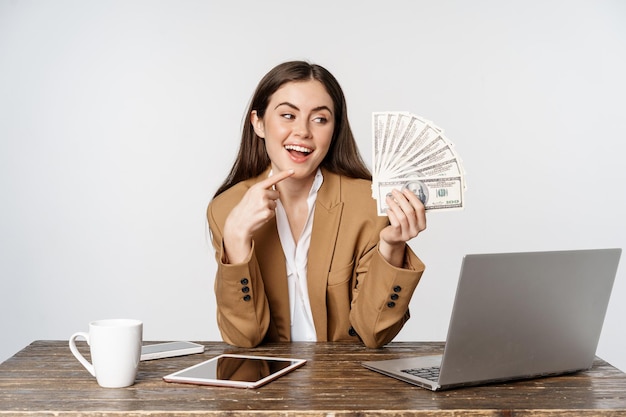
(302, 129)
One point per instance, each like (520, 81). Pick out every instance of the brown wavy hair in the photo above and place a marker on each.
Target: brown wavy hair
(343, 155)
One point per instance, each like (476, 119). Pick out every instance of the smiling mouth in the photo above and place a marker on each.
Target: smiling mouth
(300, 150)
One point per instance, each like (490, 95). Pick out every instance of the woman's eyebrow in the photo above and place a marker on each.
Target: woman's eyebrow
(293, 106)
(323, 108)
(288, 104)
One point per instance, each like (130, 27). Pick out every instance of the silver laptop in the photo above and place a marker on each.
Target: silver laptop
(518, 316)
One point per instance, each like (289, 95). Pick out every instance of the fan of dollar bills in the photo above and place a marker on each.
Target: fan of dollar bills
(411, 152)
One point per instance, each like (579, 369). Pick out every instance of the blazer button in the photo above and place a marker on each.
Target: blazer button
(245, 290)
(247, 297)
(394, 297)
(352, 332)
(397, 288)
(244, 281)
(391, 304)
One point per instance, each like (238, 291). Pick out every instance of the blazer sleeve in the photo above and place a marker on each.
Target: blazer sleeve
(381, 296)
(242, 309)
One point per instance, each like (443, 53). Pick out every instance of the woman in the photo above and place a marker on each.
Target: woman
(301, 252)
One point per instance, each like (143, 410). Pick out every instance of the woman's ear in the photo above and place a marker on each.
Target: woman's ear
(257, 124)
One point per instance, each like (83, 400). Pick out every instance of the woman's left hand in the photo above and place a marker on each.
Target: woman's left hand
(407, 218)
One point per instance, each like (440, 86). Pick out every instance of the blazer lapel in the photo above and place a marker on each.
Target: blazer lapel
(326, 222)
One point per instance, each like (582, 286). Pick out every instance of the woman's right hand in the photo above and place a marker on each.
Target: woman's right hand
(256, 208)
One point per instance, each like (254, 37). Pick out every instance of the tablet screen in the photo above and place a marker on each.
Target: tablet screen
(236, 371)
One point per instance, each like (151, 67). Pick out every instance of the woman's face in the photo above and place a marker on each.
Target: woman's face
(297, 127)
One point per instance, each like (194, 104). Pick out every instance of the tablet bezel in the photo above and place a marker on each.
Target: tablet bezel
(179, 377)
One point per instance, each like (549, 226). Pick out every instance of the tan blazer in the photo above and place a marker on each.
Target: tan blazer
(354, 293)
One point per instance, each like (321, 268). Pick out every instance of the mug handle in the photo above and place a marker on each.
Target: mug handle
(78, 355)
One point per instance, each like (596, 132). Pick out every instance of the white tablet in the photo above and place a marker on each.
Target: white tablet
(239, 371)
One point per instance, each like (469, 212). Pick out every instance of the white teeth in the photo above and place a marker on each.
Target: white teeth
(298, 148)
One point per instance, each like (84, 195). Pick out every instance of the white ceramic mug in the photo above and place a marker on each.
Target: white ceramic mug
(115, 347)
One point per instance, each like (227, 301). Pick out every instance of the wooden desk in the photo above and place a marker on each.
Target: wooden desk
(45, 379)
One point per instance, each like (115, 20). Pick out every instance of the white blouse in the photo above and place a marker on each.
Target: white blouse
(296, 254)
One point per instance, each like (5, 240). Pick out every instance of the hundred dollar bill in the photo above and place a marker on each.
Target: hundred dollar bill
(429, 149)
(407, 139)
(448, 168)
(436, 193)
(416, 143)
(443, 154)
(413, 126)
(387, 139)
(397, 125)
(378, 130)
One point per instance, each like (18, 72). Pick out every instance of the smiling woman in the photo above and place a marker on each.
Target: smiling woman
(302, 254)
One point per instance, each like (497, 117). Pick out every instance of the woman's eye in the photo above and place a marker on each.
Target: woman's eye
(288, 116)
(320, 120)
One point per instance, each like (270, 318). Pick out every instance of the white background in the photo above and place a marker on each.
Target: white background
(119, 119)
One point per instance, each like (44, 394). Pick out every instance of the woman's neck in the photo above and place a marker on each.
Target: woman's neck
(293, 196)
(295, 188)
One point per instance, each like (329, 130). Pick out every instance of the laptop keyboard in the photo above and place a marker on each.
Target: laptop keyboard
(430, 373)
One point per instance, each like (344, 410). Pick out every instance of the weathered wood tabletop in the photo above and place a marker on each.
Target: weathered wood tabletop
(45, 379)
